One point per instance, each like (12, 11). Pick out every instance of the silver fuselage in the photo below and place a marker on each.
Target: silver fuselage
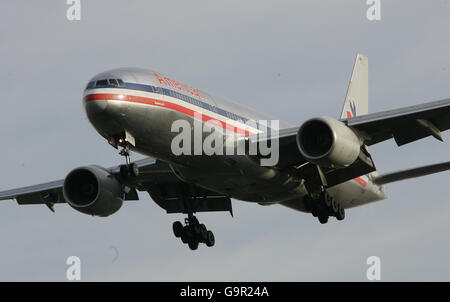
(148, 103)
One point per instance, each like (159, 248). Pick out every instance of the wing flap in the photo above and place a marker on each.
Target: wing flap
(43, 197)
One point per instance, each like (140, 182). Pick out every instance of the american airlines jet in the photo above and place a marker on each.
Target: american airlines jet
(323, 167)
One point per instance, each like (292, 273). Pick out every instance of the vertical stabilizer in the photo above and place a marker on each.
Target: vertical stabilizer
(357, 98)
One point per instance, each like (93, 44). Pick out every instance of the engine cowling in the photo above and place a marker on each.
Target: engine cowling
(93, 190)
(328, 142)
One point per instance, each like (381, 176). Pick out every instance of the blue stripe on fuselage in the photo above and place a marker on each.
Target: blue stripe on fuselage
(180, 96)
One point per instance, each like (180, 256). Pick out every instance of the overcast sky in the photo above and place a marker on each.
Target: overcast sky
(291, 59)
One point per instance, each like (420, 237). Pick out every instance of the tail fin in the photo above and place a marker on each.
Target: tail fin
(357, 99)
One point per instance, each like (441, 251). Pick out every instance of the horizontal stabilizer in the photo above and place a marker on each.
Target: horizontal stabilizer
(411, 173)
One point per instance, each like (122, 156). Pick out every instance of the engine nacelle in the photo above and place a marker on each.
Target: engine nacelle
(93, 190)
(328, 142)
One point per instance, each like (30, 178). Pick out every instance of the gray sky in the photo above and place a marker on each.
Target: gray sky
(291, 59)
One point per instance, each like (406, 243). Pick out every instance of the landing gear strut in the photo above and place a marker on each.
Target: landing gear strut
(193, 232)
(326, 206)
(129, 169)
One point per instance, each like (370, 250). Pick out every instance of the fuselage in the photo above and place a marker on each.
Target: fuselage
(146, 104)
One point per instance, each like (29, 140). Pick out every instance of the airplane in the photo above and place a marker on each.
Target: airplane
(324, 166)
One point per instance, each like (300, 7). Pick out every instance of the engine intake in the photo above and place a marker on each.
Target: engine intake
(328, 142)
(93, 190)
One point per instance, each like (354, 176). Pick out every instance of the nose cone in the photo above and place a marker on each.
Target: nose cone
(95, 108)
(103, 115)
(98, 115)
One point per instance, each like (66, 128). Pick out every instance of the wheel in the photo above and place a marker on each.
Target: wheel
(210, 241)
(186, 234)
(177, 228)
(195, 229)
(327, 199)
(124, 171)
(323, 219)
(334, 206)
(133, 170)
(193, 244)
(340, 213)
(203, 233)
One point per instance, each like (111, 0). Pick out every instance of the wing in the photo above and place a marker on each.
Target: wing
(155, 177)
(405, 125)
(46, 193)
(411, 173)
(51, 192)
(289, 154)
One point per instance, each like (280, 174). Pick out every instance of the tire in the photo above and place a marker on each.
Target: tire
(186, 235)
(124, 171)
(133, 170)
(334, 206)
(340, 214)
(327, 199)
(177, 228)
(193, 244)
(203, 233)
(323, 219)
(211, 240)
(196, 230)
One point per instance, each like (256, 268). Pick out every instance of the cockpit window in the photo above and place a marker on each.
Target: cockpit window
(105, 82)
(101, 83)
(90, 85)
(113, 82)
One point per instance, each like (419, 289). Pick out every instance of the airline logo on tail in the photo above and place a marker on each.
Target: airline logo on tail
(357, 98)
(352, 111)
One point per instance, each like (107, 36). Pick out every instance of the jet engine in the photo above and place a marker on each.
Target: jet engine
(328, 142)
(93, 190)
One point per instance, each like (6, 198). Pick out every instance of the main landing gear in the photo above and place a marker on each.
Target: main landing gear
(193, 233)
(326, 206)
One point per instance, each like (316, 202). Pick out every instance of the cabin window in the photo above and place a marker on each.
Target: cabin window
(120, 82)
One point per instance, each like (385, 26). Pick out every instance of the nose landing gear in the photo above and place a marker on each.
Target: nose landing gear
(129, 169)
(193, 232)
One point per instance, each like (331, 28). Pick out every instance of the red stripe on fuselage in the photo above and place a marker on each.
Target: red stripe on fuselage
(163, 104)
